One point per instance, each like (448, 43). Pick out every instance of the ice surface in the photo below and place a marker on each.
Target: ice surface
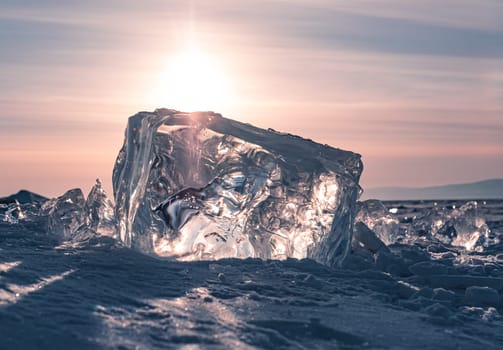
(99, 212)
(65, 214)
(71, 216)
(379, 219)
(68, 217)
(13, 212)
(367, 238)
(461, 227)
(456, 226)
(202, 186)
(21, 206)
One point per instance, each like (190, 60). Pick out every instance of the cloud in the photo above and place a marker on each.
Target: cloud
(411, 28)
(331, 27)
(481, 15)
(401, 77)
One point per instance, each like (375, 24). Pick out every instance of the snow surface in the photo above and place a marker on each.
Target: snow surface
(96, 293)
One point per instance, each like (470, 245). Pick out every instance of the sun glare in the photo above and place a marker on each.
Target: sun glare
(192, 81)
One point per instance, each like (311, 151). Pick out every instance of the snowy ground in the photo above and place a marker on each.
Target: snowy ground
(100, 295)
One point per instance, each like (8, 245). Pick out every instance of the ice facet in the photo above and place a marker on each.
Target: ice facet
(377, 217)
(22, 206)
(202, 186)
(367, 238)
(72, 217)
(66, 214)
(99, 212)
(13, 213)
(461, 226)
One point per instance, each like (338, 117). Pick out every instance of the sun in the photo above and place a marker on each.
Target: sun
(192, 80)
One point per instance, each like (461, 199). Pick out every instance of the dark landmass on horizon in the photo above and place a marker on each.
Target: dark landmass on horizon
(485, 189)
(23, 197)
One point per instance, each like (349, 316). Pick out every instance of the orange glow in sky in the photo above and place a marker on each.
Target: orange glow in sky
(415, 87)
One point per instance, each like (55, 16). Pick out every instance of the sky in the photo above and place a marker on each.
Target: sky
(415, 87)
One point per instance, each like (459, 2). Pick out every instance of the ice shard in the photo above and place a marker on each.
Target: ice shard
(377, 217)
(461, 227)
(66, 214)
(72, 217)
(99, 212)
(13, 212)
(197, 185)
(21, 206)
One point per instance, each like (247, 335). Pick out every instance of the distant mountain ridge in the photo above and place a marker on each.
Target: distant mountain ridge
(485, 189)
(23, 196)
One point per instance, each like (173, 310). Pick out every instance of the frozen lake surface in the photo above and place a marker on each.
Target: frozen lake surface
(99, 294)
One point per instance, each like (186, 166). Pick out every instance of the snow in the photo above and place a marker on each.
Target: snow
(97, 293)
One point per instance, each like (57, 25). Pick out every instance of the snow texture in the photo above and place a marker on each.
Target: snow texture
(97, 294)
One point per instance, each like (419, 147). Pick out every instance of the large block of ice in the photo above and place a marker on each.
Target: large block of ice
(197, 185)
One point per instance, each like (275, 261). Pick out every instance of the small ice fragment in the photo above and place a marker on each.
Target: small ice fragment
(99, 211)
(66, 214)
(14, 213)
(461, 227)
(379, 219)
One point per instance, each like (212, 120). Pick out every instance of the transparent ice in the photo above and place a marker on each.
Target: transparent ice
(65, 214)
(377, 217)
(455, 226)
(99, 212)
(462, 227)
(199, 185)
(13, 212)
(72, 217)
